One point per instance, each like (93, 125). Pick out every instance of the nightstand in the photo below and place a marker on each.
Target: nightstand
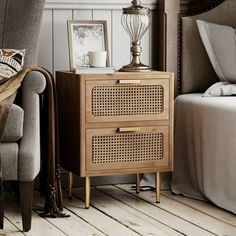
(115, 124)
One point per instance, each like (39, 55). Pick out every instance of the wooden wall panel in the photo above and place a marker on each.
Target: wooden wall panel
(61, 52)
(82, 14)
(120, 41)
(53, 44)
(95, 4)
(45, 47)
(105, 15)
(145, 44)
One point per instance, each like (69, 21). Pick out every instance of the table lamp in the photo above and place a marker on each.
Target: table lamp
(136, 21)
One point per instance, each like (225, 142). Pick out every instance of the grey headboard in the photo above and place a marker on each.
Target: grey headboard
(195, 73)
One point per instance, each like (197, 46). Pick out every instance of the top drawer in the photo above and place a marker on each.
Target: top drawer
(127, 100)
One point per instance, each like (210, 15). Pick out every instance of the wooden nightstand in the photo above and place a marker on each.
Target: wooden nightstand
(115, 124)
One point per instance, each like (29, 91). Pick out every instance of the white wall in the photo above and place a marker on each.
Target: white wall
(53, 43)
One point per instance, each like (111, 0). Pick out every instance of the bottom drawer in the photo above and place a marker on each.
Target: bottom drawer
(127, 148)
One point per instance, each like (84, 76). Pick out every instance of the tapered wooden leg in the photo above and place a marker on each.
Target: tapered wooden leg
(158, 187)
(26, 198)
(87, 191)
(70, 184)
(137, 183)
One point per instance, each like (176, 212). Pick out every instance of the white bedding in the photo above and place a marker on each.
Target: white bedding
(205, 150)
(220, 89)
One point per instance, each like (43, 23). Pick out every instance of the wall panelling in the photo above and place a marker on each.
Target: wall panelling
(53, 44)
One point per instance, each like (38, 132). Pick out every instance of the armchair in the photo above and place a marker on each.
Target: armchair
(20, 148)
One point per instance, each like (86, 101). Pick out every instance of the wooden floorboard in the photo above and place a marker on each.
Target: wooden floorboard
(10, 229)
(96, 218)
(204, 207)
(126, 215)
(182, 211)
(160, 215)
(72, 225)
(118, 211)
(40, 226)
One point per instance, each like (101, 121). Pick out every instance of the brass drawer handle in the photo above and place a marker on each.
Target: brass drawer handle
(129, 81)
(129, 129)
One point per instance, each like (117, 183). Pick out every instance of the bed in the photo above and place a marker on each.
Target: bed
(205, 127)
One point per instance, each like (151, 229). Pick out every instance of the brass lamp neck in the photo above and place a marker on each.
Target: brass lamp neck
(136, 2)
(136, 9)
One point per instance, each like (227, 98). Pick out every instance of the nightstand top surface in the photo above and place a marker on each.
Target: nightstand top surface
(117, 74)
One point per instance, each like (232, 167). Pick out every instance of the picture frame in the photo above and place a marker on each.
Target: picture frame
(85, 36)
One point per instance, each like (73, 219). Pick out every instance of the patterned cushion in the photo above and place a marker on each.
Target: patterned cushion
(11, 62)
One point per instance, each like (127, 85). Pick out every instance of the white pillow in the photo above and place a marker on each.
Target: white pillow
(220, 44)
(220, 89)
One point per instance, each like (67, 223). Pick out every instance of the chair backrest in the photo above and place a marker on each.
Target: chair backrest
(20, 25)
(196, 73)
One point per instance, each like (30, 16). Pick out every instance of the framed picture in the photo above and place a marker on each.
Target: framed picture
(85, 36)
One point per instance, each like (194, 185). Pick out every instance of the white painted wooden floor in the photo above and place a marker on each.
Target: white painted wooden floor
(117, 210)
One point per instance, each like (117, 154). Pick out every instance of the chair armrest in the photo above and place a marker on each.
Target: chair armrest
(33, 84)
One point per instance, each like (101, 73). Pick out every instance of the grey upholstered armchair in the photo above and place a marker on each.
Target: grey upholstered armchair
(20, 148)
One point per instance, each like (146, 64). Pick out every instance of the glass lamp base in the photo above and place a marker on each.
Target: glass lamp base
(135, 68)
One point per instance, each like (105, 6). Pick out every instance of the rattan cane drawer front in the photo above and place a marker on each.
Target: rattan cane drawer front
(116, 100)
(109, 149)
